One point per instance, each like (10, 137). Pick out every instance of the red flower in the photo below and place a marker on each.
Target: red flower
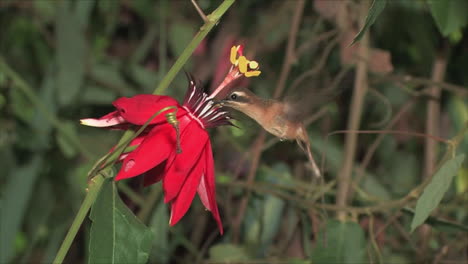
(183, 174)
(157, 154)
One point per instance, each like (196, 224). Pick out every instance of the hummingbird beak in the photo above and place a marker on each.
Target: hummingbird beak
(219, 102)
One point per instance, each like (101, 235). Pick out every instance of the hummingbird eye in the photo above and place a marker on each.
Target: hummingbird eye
(233, 96)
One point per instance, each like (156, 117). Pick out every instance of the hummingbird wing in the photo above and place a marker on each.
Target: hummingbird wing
(313, 96)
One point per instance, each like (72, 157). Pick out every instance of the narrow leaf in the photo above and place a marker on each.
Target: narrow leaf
(71, 51)
(117, 236)
(435, 190)
(376, 8)
(66, 146)
(15, 197)
(440, 224)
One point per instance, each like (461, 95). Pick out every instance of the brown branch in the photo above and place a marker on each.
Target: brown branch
(290, 56)
(432, 128)
(257, 149)
(360, 89)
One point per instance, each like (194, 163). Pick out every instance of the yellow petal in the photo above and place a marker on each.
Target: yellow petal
(253, 65)
(243, 64)
(252, 73)
(233, 56)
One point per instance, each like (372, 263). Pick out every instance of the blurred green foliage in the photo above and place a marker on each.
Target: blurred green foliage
(72, 58)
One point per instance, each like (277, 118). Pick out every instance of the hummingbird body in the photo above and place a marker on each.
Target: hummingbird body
(276, 117)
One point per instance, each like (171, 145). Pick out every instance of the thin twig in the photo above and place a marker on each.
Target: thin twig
(373, 147)
(315, 41)
(408, 79)
(360, 89)
(200, 11)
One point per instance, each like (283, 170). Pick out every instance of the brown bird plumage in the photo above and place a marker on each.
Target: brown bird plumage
(276, 117)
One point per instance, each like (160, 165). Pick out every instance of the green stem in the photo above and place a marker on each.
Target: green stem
(213, 20)
(28, 91)
(91, 196)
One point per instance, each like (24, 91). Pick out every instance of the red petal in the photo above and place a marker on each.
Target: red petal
(111, 119)
(203, 193)
(156, 147)
(155, 174)
(182, 202)
(240, 50)
(139, 108)
(210, 186)
(193, 140)
(135, 142)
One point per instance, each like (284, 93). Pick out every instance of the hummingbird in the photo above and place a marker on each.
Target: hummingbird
(279, 118)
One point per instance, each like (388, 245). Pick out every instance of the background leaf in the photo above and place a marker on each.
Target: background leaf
(376, 8)
(340, 242)
(71, 48)
(160, 251)
(14, 202)
(450, 16)
(116, 235)
(227, 253)
(434, 191)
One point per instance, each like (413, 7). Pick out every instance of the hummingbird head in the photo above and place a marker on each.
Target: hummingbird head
(239, 99)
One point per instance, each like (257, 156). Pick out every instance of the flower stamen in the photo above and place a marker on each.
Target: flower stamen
(241, 66)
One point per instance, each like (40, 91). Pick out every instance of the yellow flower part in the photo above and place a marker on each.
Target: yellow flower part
(233, 57)
(252, 73)
(243, 64)
(246, 67)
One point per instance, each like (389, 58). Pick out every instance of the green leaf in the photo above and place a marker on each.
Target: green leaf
(435, 190)
(450, 15)
(21, 106)
(15, 197)
(228, 252)
(376, 8)
(71, 51)
(340, 242)
(37, 216)
(41, 125)
(159, 226)
(373, 186)
(273, 206)
(442, 225)
(116, 235)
